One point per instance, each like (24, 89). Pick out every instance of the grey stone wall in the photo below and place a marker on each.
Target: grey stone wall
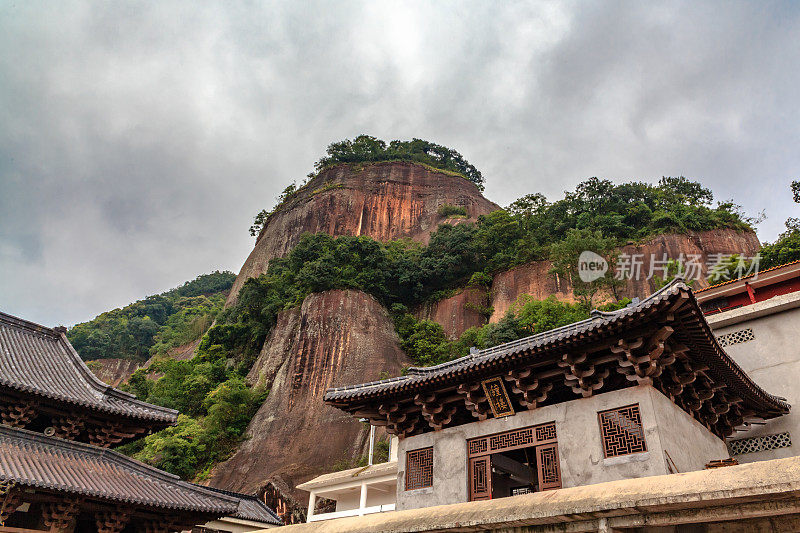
(579, 444)
(772, 359)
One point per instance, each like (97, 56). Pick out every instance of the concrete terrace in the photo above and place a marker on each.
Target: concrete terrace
(762, 496)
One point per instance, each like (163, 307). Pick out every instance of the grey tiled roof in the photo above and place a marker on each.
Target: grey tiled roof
(33, 460)
(250, 508)
(601, 322)
(38, 360)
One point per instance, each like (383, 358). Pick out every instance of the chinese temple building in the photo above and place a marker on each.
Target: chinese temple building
(57, 473)
(755, 319)
(641, 392)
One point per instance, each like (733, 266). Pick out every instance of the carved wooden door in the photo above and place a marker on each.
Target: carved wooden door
(548, 465)
(480, 478)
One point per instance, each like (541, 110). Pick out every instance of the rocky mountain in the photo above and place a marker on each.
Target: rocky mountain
(459, 312)
(343, 337)
(384, 201)
(332, 336)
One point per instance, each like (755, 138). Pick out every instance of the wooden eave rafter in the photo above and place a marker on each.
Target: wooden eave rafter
(69, 421)
(669, 347)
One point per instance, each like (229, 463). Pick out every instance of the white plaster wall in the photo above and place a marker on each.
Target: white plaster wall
(772, 359)
(579, 443)
(689, 444)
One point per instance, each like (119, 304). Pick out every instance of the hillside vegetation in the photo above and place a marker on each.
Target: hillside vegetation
(210, 388)
(155, 324)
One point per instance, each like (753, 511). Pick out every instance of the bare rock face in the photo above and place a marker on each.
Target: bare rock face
(534, 278)
(335, 338)
(113, 371)
(384, 201)
(457, 313)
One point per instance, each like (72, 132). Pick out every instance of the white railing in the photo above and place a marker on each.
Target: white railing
(353, 512)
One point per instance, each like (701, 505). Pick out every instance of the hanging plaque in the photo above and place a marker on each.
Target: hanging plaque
(497, 395)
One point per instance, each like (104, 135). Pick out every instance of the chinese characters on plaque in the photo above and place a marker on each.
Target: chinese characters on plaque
(498, 398)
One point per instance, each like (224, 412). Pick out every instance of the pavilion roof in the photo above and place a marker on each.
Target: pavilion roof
(250, 508)
(674, 306)
(40, 361)
(33, 460)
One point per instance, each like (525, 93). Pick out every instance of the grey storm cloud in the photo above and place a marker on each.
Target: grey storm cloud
(137, 140)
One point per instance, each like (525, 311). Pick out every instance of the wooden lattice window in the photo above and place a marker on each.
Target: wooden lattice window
(549, 469)
(511, 440)
(545, 432)
(419, 468)
(622, 431)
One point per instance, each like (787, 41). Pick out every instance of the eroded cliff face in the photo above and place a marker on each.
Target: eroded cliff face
(384, 201)
(335, 338)
(113, 371)
(535, 279)
(459, 312)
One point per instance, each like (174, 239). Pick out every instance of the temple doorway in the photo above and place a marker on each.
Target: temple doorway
(515, 462)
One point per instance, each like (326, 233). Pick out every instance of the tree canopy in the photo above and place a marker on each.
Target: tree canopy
(155, 324)
(365, 149)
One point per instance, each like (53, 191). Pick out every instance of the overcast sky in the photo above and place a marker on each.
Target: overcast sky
(137, 141)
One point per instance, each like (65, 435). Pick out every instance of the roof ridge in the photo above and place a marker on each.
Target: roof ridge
(531, 338)
(27, 324)
(95, 388)
(112, 455)
(727, 282)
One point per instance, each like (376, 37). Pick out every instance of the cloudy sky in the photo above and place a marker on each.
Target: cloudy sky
(138, 140)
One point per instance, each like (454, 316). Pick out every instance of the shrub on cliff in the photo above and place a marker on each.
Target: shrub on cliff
(366, 149)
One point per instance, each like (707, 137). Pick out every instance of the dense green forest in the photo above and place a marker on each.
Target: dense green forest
(155, 324)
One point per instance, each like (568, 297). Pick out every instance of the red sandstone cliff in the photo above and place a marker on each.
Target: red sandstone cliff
(385, 201)
(456, 315)
(345, 337)
(335, 338)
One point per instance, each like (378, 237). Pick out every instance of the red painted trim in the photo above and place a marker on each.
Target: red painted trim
(750, 292)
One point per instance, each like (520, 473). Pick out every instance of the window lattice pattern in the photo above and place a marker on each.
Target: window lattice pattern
(480, 480)
(545, 432)
(549, 468)
(622, 431)
(477, 446)
(511, 439)
(736, 337)
(419, 468)
(760, 444)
